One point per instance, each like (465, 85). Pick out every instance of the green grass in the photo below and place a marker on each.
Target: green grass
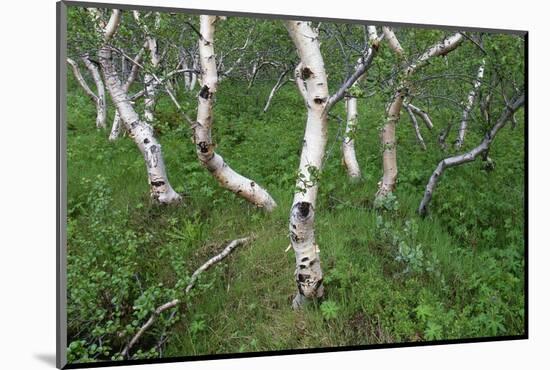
(467, 282)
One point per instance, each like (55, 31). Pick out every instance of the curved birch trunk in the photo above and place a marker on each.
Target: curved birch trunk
(312, 84)
(481, 149)
(468, 107)
(348, 144)
(202, 136)
(116, 127)
(140, 131)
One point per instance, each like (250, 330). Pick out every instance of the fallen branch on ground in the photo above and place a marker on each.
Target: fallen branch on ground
(173, 303)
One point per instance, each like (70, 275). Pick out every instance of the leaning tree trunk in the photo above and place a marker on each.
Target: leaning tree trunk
(482, 149)
(312, 84)
(202, 136)
(140, 131)
(348, 144)
(468, 107)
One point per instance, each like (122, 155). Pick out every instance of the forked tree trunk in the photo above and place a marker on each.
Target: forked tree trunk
(482, 149)
(312, 84)
(468, 107)
(202, 136)
(140, 131)
(348, 144)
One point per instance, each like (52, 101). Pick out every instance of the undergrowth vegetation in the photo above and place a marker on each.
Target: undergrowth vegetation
(390, 276)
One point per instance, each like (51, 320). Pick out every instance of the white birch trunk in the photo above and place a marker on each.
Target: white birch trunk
(348, 144)
(193, 82)
(468, 106)
(312, 83)
(393, 42)
(389, 154)
(116, 127)
(140, 131)
(149, 80)
(202, 136)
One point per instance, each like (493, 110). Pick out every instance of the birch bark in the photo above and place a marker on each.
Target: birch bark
(312, 83)
(202, 136)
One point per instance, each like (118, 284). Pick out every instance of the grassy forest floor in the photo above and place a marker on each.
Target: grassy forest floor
(390, 276)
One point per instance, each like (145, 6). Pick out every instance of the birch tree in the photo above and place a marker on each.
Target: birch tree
(387, 135)
(311, 80)
(140, 131)
(202, 136)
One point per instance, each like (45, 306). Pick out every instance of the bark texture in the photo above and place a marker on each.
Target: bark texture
(311, 80)
(227, 177)
(116, 127)
(481, 149)
(389, 150)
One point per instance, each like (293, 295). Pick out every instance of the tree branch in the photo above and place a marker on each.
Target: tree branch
(175, 302)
